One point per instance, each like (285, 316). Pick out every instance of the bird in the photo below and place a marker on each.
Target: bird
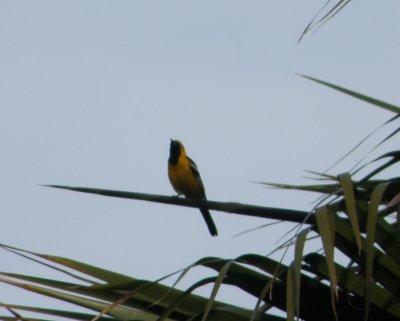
(185, 179)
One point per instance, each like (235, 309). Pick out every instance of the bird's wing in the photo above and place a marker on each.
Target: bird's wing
(196, 173)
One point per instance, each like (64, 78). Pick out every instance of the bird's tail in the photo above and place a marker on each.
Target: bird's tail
(209, 221)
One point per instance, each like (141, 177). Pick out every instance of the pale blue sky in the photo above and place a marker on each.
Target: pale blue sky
(92, 91)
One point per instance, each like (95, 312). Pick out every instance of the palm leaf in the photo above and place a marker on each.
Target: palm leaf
(365, 98)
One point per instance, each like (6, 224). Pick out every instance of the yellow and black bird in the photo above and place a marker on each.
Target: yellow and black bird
(185, 179)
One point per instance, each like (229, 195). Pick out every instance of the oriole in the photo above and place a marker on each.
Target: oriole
(185, 179)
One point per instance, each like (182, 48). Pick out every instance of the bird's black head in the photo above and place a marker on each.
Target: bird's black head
(174, 151)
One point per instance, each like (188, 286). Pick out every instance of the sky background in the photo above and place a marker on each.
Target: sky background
(92, 91)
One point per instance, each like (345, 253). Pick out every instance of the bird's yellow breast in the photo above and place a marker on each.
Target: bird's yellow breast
(183, 180)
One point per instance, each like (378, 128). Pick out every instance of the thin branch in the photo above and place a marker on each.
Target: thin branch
(229, 207)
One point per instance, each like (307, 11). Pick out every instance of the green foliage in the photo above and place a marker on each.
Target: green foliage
(354, 217)
(327, 12)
